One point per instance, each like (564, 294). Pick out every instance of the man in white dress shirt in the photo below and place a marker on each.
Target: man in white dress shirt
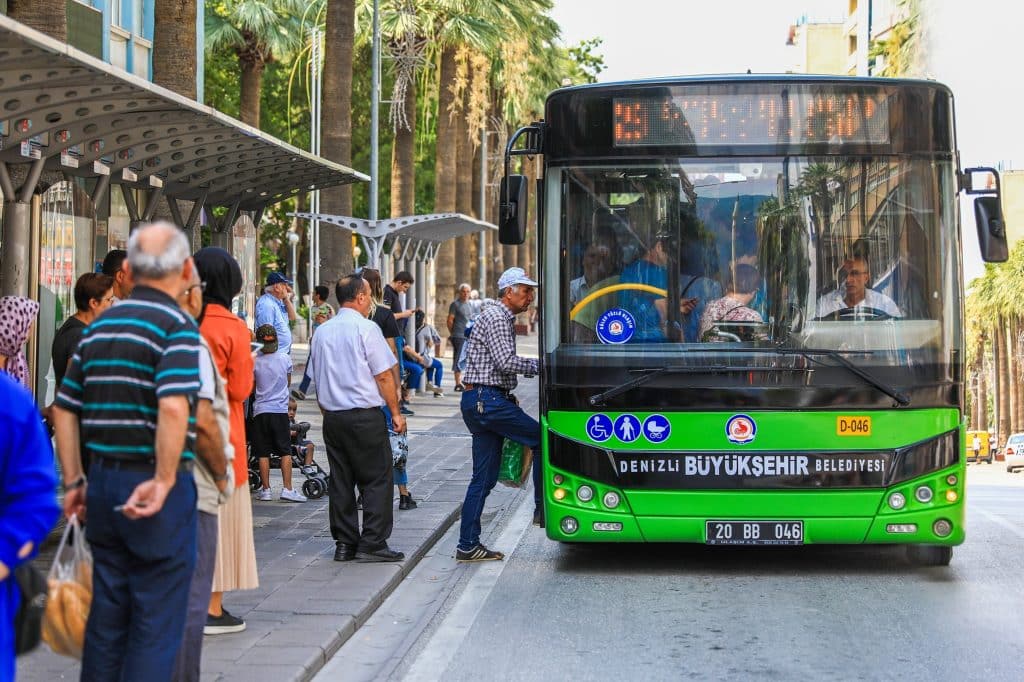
(854, 292)
(352, 367)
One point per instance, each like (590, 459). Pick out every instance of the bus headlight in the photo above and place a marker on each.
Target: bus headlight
(952, 496)
(559, 494)
(942, 528)
(558, 479)
(585, 493)
(897, 501)
(611, 500)
(924, 494)
(951, 479)
(569, 525)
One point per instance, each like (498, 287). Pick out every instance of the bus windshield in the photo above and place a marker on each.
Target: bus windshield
(707, 255)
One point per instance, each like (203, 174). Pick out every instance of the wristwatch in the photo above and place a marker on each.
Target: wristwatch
(76, 484)
(222, 477)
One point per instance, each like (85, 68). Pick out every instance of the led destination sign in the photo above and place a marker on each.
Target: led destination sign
(783, 117)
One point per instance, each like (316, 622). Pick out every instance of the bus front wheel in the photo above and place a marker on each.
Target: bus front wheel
(929, 555)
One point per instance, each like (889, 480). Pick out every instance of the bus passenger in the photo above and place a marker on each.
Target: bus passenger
(853, 291)
(650, 310)
(601, 266)
(741, 285)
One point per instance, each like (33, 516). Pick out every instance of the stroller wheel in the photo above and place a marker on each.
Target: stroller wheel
(254, 480)
(313, 488)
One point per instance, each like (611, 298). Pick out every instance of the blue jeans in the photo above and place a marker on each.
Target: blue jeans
(435, 372)
(500, 419)
(142, 571)
(413, 370)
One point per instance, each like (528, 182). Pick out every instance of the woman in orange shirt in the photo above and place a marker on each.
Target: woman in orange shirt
(228, 337)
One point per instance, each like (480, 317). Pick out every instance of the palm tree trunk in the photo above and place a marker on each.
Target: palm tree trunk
(1003, 373)
(464, 245)
(403, 160)
(445, 196)
(1015, 384)
(48, 16)
(250, 89)
(174, 46)
(336, 138)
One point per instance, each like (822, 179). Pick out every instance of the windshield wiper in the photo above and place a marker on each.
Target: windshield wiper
(902, 399)
(650, 373)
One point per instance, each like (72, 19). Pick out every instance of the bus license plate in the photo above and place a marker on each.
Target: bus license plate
(755, 532)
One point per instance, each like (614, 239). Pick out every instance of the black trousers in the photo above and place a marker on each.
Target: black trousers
(359, 453)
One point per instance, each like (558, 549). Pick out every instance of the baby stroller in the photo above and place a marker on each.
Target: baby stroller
(315, 485)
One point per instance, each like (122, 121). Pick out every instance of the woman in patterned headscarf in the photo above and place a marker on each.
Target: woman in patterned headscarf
(16, 317)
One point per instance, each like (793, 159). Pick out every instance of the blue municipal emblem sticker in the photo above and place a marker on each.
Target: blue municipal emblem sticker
(615, 326)
(599, 428)
(657, 428)
(740, 429)
(627, 428)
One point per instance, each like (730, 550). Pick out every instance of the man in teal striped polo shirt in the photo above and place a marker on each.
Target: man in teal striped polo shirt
(129, 398)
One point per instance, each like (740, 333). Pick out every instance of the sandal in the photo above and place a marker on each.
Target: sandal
(459, 388)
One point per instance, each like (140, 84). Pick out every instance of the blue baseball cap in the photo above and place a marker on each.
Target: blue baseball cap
(277, 278)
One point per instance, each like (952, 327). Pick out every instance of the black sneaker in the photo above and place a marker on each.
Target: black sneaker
(478, 553)
(406, 502)
(406, 411)
(538, 518)
(298, 395)
(223, 624)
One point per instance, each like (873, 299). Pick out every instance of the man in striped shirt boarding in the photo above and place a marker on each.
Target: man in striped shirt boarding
(129, 398)
(489, 409)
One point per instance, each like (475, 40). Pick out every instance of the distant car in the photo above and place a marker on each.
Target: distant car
(1014, 452)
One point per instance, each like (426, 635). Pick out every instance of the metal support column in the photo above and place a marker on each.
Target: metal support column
(16, 231)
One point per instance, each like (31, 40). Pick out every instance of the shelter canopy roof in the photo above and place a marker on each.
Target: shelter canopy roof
(85, 117)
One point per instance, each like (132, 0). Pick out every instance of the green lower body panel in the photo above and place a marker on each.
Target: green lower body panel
(828, 517)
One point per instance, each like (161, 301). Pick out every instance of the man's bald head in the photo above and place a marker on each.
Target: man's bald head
(157, 251)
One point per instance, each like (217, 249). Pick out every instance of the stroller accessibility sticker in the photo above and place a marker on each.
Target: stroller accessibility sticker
(599, 428)
(615, 326)
(657, 428)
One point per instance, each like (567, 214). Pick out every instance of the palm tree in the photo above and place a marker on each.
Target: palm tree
(47, 16)
(336, 140)
(258, 32)
(174, 46)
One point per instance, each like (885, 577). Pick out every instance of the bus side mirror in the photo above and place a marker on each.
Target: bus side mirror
(512, 210)
(991, 230)
(983, 184)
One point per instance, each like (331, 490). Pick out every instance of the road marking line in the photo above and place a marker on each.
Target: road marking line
(437, 655)
(999, 520)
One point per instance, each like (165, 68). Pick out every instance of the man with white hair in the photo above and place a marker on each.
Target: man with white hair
(275, 307)
(128, 398)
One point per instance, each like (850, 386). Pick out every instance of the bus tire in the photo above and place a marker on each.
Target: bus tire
(929, 555)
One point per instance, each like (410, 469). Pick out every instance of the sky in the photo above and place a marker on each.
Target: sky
(968, 46)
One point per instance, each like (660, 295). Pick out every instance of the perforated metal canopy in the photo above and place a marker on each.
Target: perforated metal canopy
(417, 236)
(84, 117)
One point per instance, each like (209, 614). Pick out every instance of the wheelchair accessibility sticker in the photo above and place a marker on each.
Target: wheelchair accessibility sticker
(657, 428)
(615, 326)
(599, 428)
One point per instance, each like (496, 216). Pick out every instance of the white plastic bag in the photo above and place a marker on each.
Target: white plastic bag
(70, 586)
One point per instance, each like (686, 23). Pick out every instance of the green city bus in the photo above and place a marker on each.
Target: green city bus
(752, 310)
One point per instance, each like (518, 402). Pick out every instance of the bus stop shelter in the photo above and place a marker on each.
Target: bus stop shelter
(64, 113)
(413, 242)
(85, 137)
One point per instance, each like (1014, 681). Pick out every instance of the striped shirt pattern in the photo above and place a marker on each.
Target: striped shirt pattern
(491, 358)
(143, 349)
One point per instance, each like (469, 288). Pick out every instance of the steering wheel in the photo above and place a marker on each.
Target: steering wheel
(854, 315)
(604, 291)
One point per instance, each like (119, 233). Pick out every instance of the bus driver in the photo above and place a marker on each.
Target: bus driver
(853, 292)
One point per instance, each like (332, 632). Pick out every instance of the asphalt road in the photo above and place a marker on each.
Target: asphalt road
(658, 612)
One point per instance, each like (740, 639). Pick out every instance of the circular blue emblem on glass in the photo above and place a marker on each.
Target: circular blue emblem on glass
(627, 428)
(599, 428)
(740, 429)
(615, 326)
(657, 428)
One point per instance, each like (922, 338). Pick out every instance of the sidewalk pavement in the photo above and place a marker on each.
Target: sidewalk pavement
(308, 605)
